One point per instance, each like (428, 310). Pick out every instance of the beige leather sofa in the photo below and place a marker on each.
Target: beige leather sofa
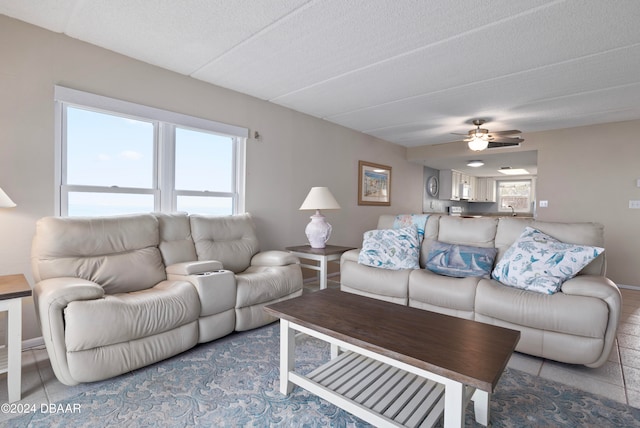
(576, 325)
(114, 294)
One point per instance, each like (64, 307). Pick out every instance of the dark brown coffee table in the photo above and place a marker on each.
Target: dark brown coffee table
(393, 365)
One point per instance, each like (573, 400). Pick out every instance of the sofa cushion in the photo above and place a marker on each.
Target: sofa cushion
(92, 324)
(231, 240)
(443, 294)
(262, 284)
(569, 314)
(477, 232)
(460, 261)
(393, 249)
(385, 284)
(176, 244)
(120, 253)
(538, 262)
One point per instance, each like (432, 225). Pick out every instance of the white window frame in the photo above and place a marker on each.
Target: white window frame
(530, 199)
(164, 123)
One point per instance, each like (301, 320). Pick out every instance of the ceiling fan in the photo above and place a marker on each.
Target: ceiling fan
(480, 139)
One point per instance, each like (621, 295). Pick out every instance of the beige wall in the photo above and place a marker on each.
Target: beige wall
(589, 174)
(586, 174)
(295, 151)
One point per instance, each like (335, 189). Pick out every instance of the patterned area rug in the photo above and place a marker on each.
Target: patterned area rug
(233, 382)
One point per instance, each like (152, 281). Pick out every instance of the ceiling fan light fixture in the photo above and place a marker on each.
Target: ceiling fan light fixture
(477, 144)
(475, 163)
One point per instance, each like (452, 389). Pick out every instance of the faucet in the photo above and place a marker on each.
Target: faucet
(513, 212)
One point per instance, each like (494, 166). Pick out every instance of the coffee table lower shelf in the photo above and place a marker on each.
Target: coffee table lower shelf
(371, 389)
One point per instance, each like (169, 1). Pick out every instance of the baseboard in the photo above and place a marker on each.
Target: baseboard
(629, 287)
(315, 278)
(36, 342)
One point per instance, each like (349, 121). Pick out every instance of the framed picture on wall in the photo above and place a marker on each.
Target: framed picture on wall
(374, 184)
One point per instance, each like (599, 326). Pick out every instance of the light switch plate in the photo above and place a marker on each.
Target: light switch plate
(634, 204)
(544, 204)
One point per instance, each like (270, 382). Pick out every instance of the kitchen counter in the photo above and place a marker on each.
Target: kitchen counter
(474, 215)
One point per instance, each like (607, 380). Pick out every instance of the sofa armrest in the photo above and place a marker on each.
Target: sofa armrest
(274, 258)
(51, 297)
(593, 286)
(193, 268)
(603, 288)
(351, 255)
(54, 294)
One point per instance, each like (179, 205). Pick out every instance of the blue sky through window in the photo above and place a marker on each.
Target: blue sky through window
(108, 150)
(203, 161)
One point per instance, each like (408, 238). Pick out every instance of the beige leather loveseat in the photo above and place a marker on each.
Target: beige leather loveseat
(114, 294)
(576, 325)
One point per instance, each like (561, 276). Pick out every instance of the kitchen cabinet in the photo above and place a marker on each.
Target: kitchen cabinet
(477, 189)
(485, 190)
(450, 181)
(473, 188)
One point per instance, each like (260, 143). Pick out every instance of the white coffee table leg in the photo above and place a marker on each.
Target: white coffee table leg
(453, 408)
(287, 356)
(481, 406)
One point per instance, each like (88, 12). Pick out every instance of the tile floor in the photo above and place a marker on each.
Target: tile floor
(618, 379)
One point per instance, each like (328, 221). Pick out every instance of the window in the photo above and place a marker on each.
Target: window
(116, 157)
(516, 194)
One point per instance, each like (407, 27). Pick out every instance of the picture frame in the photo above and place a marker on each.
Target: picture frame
(374, 184)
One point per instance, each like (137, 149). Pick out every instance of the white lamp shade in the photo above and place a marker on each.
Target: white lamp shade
(477, 144)
(320, 198)
(5, 200)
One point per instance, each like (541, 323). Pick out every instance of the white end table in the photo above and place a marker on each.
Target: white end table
(322, 255)
(12, 289)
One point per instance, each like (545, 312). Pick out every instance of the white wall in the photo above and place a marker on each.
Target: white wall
(589, 173)
(294, 153)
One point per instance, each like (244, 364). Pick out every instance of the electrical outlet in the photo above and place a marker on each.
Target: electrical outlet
(544, 204)
(634, 204)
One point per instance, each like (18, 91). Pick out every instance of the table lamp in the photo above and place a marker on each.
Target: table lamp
(318, 230)
(5, 200)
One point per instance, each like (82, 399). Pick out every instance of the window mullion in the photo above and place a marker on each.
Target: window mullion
(166, 167)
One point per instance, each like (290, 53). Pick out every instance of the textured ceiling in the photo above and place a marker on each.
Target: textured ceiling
(410, 72)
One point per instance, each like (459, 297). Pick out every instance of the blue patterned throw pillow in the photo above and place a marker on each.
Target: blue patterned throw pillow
(408, 220)
(541, 263)
(391, 249)
(460, 261)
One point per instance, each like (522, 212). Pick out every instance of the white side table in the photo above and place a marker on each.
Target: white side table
(322, 255)
(12, 289)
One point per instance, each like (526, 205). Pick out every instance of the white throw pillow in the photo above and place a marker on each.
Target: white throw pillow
(541, 263)
(391, 249)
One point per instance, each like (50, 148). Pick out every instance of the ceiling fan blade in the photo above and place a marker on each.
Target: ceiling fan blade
(507, 140)
(509, 132)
